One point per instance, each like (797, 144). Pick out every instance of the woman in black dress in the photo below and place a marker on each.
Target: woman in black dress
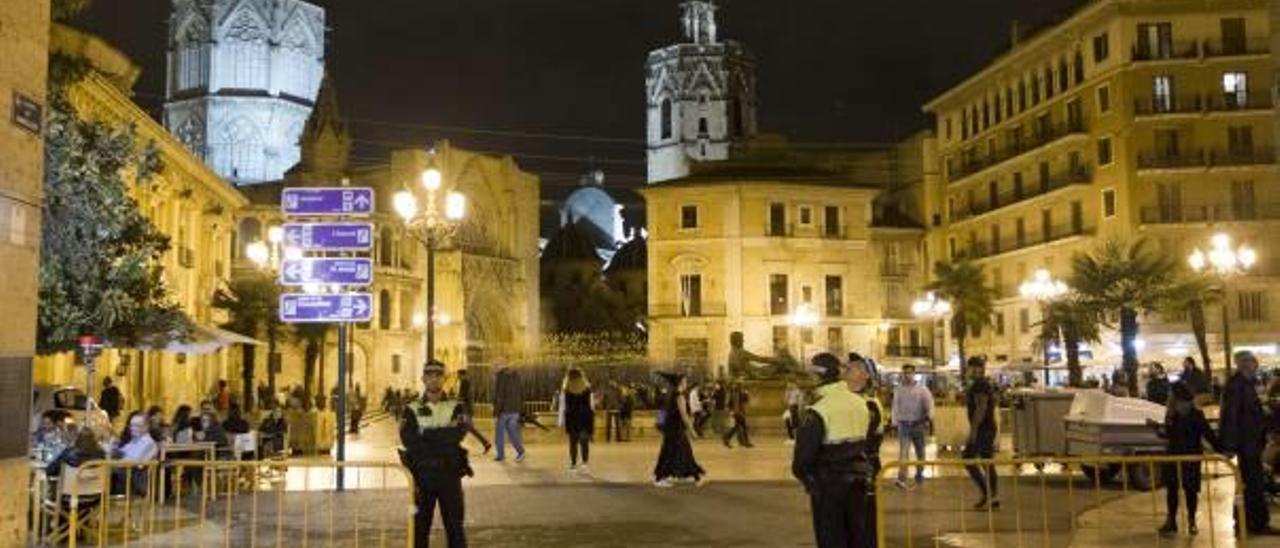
(675, 459)
(579, 418)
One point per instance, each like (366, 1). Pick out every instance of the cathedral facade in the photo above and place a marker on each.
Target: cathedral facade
(242, 81)
(701, 96)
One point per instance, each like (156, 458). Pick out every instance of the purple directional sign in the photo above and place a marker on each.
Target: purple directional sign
(329, 236)
(320, 270)
(328, 308)
(327, 201)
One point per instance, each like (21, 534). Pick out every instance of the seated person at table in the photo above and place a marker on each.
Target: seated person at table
(235, 423)
(52, 436)
(136, 443)
(273, 430)
(85, 448)
(210, 430)
(155, 422)
(180, 429)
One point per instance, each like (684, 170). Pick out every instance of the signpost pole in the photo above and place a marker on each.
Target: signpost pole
(342, 402)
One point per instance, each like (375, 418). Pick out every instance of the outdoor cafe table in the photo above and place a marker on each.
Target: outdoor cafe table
(198, 450)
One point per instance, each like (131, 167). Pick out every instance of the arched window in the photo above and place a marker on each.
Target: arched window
(384, 310)
(191, 64)
(386, 248)
(298, 53)
(667, 118)
(245, 41)
(702, 127)
(238, 150)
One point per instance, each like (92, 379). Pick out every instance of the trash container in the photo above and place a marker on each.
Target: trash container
(1038, 429)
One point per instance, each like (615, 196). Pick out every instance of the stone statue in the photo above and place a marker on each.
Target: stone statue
(745, 364)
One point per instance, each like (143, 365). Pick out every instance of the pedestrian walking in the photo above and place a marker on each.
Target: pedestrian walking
(1243, 431)
(698, 409)
(1185, 428)
(431, 431)
(110, 399)
(577, 417)
(508, 406)
(912, 411)
(675, 459)
(739, 398)
(793, 398)
(980, 403)
(830, 457)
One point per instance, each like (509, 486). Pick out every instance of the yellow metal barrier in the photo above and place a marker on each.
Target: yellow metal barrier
(225, 503)
(1077, 501)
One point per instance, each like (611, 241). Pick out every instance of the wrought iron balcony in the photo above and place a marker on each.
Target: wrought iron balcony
(1228, 48)
(1242, 157)
(687, 310)
(1210, 213)
(1039, 137)
(1177, 50)
(1172, 159)
(1188, 104)
(1231, 102)
(1080, 175)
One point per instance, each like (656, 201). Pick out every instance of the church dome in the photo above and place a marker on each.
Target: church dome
(633, 255)
(572, 242)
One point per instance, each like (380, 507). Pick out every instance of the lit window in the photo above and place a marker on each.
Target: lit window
(1235, 89)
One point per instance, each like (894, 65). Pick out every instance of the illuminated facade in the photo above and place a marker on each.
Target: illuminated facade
(1130, 118)
(187, 202)
(242, 79)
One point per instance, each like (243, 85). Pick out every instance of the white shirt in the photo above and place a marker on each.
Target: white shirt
(912, 403)
(140, 448)
(695, 402)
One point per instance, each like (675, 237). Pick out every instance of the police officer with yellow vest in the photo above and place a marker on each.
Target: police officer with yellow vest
(865, 385)
(431, 431)
(831, 455)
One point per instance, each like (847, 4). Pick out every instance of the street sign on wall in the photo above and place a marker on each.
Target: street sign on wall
(327, 201)
(326, 308)
(329, 236)
(326, 270)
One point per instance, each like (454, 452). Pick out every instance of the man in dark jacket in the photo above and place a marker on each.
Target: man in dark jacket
(1158, 385)
(830, 456)
(508, 404)
(1243, 431)
(980, 405)
(431, 431)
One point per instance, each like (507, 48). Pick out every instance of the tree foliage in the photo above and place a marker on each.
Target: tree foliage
(1189, 295)
(1070, 320)
(1124, 279)
(253, 303)
(100, 268)
(972, 302)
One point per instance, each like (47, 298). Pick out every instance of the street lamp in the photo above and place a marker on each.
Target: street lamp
(804, 316)
(1043, 288)
(431, 225)
(1223, 261)
(936, 310)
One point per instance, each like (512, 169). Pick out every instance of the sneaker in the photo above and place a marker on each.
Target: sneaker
(520, 457)
(726, 443)
(572, 468)
(1193, 530)
(663, 483)
(901, 485)
(584, 469)
(498, 459)
(702, 481)
(1169, 529)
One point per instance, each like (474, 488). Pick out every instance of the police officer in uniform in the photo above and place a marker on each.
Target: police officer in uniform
(865, 385)
(831, 455)
(431, 431)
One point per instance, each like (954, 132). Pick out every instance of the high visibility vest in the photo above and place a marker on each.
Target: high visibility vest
(433, 416)
(844, 414)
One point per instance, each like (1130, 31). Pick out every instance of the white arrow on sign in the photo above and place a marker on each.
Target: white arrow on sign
(362, 201)
(359, 306)
(293, 271)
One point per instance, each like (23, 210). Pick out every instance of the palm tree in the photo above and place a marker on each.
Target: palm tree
(253, 304)
(963, 285)
(1125, 279)
(1189, 295)
(312, 336)
(1071, 320)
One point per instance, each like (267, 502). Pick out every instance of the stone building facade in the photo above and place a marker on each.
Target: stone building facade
(24, 45)
(186, 201)
(242, 80)
(1130, 118)
(701, 96)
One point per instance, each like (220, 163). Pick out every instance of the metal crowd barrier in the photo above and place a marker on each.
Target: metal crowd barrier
(224, 503)
(1059, 501)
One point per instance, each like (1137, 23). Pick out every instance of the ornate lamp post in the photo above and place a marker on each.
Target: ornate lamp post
(1043, 288)
(431, 225)
(1223, 261)
(935, 310)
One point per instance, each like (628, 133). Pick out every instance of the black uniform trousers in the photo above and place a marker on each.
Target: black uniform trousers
(740, 429)
(1257, 515)
(983, 447)
(1184, 476)
(839, 514)
(447, 494)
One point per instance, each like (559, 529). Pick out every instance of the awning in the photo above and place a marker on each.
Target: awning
(206, 339)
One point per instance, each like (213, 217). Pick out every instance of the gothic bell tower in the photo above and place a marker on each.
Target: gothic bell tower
(701, 96)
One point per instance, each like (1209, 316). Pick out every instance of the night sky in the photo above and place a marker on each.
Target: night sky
(411, 71)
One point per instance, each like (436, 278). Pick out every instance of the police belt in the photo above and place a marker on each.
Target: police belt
(845, 462)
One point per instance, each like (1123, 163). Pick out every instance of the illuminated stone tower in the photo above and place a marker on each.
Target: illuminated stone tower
(701, 96)
(242, 80)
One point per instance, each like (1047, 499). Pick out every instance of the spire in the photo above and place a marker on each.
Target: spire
(699, 21)
(326, 145)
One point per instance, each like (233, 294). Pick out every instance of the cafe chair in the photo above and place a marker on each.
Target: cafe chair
(79, 495)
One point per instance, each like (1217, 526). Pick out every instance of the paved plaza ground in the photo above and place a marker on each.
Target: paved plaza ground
(751, 501)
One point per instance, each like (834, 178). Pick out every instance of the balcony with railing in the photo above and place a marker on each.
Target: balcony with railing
(828, 232)
(1238, 102)
(687, 310)
(896, 270)
(1177, 50)
(1242, 157)
(1152, 106)
(1232, 48)
(1080, 175)
(1210, 213)
(907, 351)
(1040, 137)
(982, 250)
(1172, 159)
(779, 230)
